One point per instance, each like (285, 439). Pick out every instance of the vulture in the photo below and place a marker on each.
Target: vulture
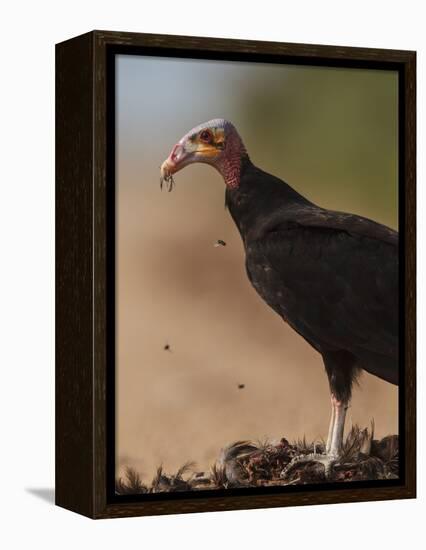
(332, 276)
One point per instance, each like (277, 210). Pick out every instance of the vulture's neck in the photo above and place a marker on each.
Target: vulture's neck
(258, 199)
(231, 165)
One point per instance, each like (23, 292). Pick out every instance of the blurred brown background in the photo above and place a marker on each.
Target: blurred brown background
(331, 134)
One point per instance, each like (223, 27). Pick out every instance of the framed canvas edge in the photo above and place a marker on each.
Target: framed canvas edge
(98, 507)
(232, 45)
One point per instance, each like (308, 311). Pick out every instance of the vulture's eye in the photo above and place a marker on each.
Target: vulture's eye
(206, 136)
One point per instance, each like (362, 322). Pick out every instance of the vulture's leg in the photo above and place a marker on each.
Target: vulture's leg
(336, 442)
(331, 427)
(341, 370)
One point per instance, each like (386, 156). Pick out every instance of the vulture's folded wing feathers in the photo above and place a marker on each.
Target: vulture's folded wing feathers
(333, 277)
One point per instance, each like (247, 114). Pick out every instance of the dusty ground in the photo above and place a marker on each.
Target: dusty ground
(249, 464)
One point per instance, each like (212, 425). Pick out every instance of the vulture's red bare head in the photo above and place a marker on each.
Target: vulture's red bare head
(217, 143)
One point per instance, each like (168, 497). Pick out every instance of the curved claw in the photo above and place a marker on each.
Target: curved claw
(166, 176)
(168, 179)
(327, 460)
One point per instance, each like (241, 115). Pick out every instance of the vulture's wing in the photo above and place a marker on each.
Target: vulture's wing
(332, 276)
(341, 221)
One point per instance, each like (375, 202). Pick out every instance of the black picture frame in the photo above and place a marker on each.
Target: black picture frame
(85, 267)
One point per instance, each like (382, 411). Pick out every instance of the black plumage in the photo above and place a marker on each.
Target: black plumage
(332, 276)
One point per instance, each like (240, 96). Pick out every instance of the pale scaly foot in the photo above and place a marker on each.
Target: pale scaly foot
(334, 444)
(327, 460)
